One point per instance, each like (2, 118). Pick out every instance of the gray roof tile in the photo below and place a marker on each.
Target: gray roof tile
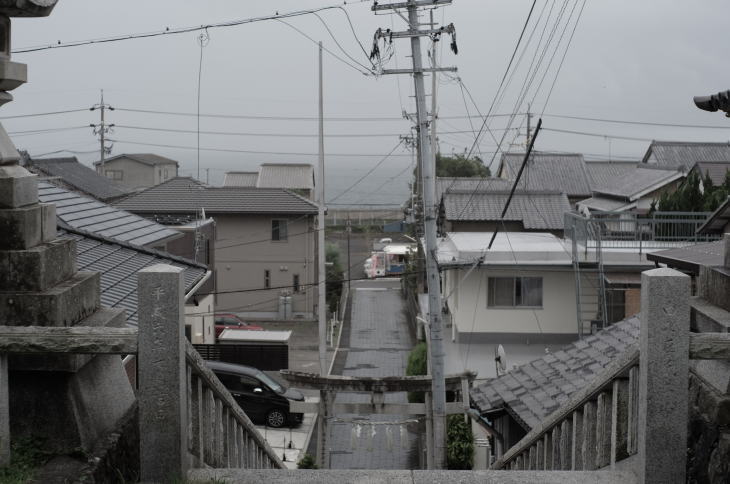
(118, 264)
(536, 210)
(552, 379)
(549, 172)
(150, 159)
(80, 177)
(630, 185)
(186, 195)
(684, 155)
(603, 173)
(83, 213)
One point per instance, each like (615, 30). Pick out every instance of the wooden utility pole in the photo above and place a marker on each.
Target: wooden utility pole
(428, 169)
(102, 129)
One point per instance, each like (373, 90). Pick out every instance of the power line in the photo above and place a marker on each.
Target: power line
(224, 150)
(51, 113)
(368, 173)
(181, 30)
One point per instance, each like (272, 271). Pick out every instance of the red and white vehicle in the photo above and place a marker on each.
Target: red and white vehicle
(231, 321)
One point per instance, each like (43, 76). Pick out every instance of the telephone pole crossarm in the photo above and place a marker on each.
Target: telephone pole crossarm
(420, 71)
(386, 34)
(420, 3)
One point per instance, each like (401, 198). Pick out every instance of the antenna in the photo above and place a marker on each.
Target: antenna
(500, 360)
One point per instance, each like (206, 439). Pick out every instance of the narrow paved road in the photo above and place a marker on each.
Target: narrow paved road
(377, 344)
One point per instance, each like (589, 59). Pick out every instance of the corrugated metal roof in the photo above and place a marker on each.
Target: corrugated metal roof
(463, 184)
(186, 195)
(693, 257)
(118, 265)
(603, 173)
(286, 175)
(716, 169)
(603, 204)
(90, 215)
(717, 221)
(684, 155)
(240, 179)
(633, 184)
(550, 172)
(534, 210)
(150, 159)
(81, 177)
(533, 391)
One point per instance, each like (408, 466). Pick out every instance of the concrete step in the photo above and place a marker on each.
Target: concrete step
(64, 304)
(102, 318)
(707, 317)
(37, 268)
(714, 286)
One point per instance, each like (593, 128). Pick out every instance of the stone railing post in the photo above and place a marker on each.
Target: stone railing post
(4, 412)
(663, 376)
(163, 421)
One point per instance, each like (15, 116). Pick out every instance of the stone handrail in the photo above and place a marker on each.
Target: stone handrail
(594, 428)
(220, 434)
(187, 418)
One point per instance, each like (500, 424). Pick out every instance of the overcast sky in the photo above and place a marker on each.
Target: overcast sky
(628, 60)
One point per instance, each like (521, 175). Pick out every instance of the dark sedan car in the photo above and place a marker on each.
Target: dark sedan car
(260, 396)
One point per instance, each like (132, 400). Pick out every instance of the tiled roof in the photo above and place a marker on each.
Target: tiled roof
(549, 172)
(632, 185)
(602, 173)
(463, 184)
(90, 215)
(240, 179)
(533, 391)
(684, 155)
(186, 195)
(145, 158)
(716, 169)
(80, 177)
(118, 264)
(693, 257)
(535, 210)
(286, 175)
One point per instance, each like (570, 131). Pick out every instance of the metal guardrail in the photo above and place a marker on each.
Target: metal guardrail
(634, 231)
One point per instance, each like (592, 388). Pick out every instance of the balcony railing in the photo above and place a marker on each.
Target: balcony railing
(619, 230)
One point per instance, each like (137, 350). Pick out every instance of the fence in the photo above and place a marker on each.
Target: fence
(633, 231)
(639, 407)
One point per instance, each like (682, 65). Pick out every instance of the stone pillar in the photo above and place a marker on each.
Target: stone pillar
(4, 413)
(163, 421)
(663, 376)
(726, 259)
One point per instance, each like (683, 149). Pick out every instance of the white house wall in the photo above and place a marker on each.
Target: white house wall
(555, 321)
(244, 251)
(200, 319)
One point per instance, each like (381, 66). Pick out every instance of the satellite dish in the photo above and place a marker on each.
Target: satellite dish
(500, 360)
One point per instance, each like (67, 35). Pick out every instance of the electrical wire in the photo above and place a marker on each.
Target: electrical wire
(180, 30)
(375, 167)
(51, 113)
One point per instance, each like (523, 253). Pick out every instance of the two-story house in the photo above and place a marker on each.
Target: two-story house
(138, 170)
(265, 243)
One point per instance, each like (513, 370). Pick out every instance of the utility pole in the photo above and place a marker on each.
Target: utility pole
(349, 264)
(434, 90)
(102, 129)
(438, 392)
(529, 130)
(322, 306)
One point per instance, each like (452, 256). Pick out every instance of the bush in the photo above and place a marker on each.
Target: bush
(459, 443)
(307, 462)
(417, 365)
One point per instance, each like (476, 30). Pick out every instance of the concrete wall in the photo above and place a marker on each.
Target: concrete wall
(244, 250)
(200, 319)
(139, 175)
(557, 317)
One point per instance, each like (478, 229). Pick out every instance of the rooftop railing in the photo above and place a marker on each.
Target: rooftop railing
(620, 230)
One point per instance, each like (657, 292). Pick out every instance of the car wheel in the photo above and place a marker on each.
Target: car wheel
(276, 418)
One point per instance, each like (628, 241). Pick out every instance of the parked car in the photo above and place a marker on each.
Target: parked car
(260, 396)
(231, 321)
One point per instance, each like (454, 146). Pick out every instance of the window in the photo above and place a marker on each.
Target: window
(278, 230)
(515, 292)
(267, 279)
(114, 174)
(295, 283)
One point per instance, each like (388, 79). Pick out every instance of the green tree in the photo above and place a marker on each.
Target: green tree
(417, 365)
(459, 443)
(460, 166)
(334, 275)
(690, 198)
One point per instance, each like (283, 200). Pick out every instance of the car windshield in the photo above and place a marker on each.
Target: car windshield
(270, 382)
